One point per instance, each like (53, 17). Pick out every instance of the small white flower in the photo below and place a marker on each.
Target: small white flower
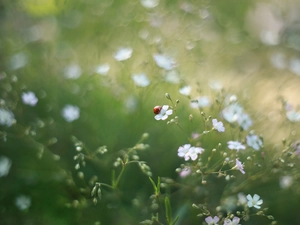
(240, 166)
(185, 172)
(244, 121)
(102, 69)
(295, 66)
(123, 54)
(234, 221)
(185, 90)
(218, 125)
(242, 198)
(285, 182)
(141, 80)
(29, 98)
(23, 202)
(149, 3)
(200, 102)
(235, 145)
(164, 62)
(232, 112)
(212, 221)
(254, 201)
(18, 60)
(5, 164)
(254, 141)
(188, 152)
(6, 117)
(70, 113)
(293, 116)
(72, 71)
(164, 113)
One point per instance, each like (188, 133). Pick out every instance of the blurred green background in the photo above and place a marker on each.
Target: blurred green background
(250, 47)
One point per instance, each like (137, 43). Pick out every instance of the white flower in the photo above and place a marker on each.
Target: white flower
(212, 221)
(123, 54)
(185, 172)
(235, 145)
(200, 102)
(5, 164)
(18, 60)
(29, 98)
(232, 112)
(244, 121)
(254, 141)
(164, 113)
(285, 182)
(189, 152)
(293, 116)
(240, 166)
(234, 221)
(149, 3)
(102, 69)
(295, 66)
(185, 90)
(242, 198)
(23, 202)
(6, 117)
(72, 71)
(218, 125)
(164, 62)
(172, 77)
(141, 80)
(254, 201)
(70, 113)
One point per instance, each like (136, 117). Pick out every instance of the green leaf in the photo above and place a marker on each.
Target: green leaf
(168, 210)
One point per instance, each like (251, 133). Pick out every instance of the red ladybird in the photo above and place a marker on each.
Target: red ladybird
(157, 109)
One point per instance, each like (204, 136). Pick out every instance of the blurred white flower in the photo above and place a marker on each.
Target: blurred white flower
(72, 71)
(29, 98)
(123, 54)
(212, 221)
(278, 60)
(23, 202)
(200, 102)
(141, 80)
(102, 69)
(71, 113)
(5, 164)
(242, 198)
(240, 166)
(293, 116)
(295, 66)
(164, 113)
(188, 152)
(185, 172)
(254, 201)
(149, 3)
(6, 117)
(234, 221)
(232, 112)
(244, 121)
(285, 182)
(218, 125)
(164, 61)
(172, 77)
(215, 85)
(235, 145)
(18, 60)
(254, 141)
(185, 90)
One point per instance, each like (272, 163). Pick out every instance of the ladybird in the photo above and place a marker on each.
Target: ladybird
(157, 109)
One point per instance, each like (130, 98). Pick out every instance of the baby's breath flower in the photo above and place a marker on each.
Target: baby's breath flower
(218, 125)
(254, 201)
(164, 62)
(29, 98)
(200, 102)
(185, 90)
(164, 113)
(293, 116)
(23, 202)
(5, 164)
(6, 117)
(234, 221)
(70, 113)
(189, 152)
(185, 172)
(235, 145)
(141, 80)
(240, 166)
(123, 54)
(212, 221)
(254, 141)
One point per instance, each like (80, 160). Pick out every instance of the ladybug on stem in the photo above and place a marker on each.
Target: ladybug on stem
(157, 109)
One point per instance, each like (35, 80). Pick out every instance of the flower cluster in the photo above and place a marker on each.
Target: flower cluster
(188, 152)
